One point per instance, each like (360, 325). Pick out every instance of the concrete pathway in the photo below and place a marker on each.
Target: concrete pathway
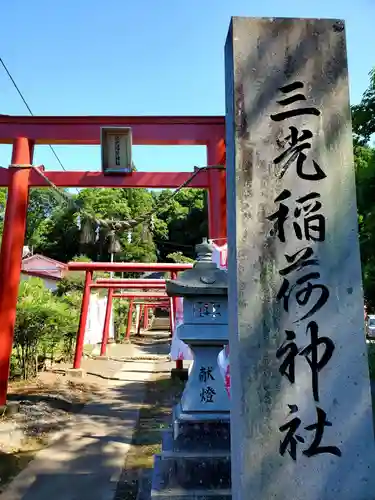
(85, 461)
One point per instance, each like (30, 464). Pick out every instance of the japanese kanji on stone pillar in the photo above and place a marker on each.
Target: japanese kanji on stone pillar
(301, 406)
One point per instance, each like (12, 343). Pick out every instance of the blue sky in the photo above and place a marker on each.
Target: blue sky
(143, 57)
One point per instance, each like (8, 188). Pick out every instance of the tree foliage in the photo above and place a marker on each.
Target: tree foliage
(364, 114)
(45, 325)
(183, 223)
(53, 228)
(364, 156)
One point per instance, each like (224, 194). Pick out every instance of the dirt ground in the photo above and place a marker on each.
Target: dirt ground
(46, 404)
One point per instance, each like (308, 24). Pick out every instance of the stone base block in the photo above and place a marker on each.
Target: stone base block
(202, 439)
(191, 471)
(167, 441)
(11, 408)
(76, 372)
(177, 494)
(195, 462)
(144, 484)
(200, 424)
(199, 416)
(180, 373)
(104, 358)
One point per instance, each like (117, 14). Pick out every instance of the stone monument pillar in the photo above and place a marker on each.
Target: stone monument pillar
(301, 416)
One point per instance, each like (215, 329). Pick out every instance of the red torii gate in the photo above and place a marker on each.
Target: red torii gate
(90, 267)
(139, 283)
(112, 284)
(129, 283)
(146, 305)
(24, 132)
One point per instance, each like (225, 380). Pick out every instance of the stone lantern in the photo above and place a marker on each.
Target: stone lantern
(195, 459)
(205, 330)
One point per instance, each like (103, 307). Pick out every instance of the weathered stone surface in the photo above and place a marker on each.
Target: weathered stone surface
(178, 494)
(11, 408)
(275, 66)
(191, 471)
(187, 434)
(144, 484)
(198, 440)
(194, 465)
(204, 391)
(76, 372)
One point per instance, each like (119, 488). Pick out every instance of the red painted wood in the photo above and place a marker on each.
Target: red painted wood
(130, 281)
(140, 295)
(83, 179)
(135, 286)
(127, 266)
(145, 317)
(108, 310)
(217, 215)
(179, 364)
(82, 321)
(146, 130)
(130, 319)
(11, 253)
(153, 304)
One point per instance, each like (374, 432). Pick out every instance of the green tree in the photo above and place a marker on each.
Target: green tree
(363, 127)
(365, 174)
(42, 202)
(363, 114)
(45, 325)
(58, 236)
(186, 221)
(179, 257)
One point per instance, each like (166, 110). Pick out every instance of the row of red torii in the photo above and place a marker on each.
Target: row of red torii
(158, 298)
(24, 132)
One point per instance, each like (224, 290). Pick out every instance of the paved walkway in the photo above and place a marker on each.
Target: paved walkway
(85, 461)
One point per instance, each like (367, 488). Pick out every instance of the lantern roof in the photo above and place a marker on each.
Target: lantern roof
(205, 278)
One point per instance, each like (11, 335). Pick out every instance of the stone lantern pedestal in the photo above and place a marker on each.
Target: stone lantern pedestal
(195, 458)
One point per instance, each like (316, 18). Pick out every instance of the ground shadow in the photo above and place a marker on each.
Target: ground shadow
(90, 470)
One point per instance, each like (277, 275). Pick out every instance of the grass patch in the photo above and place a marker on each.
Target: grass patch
(154, 416)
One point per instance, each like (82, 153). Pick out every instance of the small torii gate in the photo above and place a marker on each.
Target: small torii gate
(90, 267)
(113, 284)
(24, 132)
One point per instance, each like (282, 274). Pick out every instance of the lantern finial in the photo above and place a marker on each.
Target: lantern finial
(204, 251)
